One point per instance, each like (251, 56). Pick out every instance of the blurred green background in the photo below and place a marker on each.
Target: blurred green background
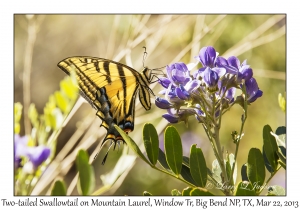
(261, 39)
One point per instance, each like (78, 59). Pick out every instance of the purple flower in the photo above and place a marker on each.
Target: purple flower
(178, 86)
(165, 82)
(199, 114)
(210, 88)
(36, 155)
(229, 95)
(233, 66)
(20, 149)
(207, 56)
(178, 73)
(210, 77)
(170, 118)
(230, 92)
(182, 93)
(192, 85)
(253, 92)
(220, 71)
(162, 103)
(174, 116)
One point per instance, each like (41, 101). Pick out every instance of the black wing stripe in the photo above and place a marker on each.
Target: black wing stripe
(106, 69)
(142, 80)
(96, 64)
(132, 105)
(123, 79)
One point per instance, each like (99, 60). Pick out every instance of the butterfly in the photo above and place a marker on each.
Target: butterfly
(111, 88)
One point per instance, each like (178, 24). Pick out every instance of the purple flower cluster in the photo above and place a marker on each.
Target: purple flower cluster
(36, 155)
(208, 91)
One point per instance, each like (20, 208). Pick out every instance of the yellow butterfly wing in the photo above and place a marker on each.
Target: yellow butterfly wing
(111, 88)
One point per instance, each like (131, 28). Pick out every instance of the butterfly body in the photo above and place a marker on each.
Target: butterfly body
(111, 88)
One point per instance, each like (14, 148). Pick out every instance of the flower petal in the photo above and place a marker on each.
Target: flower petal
(207, 56)
(230, 94)
(165, 82)
(210, 77)
(231, 70)
(38, 154)
(170, 118)
(162, 103)
(192, 85)
(246, 72)
(252, 90)
(220, 62)
(234, 61)
(181, 93)
(220, 71)
(20, 146)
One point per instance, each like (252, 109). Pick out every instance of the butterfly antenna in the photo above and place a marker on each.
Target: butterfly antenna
(145, 56)
(157, 72)
(105, 157)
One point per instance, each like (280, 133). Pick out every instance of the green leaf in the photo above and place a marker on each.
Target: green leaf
(280, 130)
(244, 172)
(146, 193)
(270, 147)
(173, 149)
(132, 144)
(281, 156)
(151, 142)
(186, 174)
(200, 192)
(86, 182)
(198, 166)
(186, 191)
(245, 189)
(256, 168)
(162, 159)
(280, 137)
(59, 188)
(282, 153)
(267, 164)
(228, 171)
(276, 190)
(175, 192)
(186, 161)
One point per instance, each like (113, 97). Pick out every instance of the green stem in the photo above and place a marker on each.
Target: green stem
(219, 154)
(173, 175)
(241, 132)
(209, 135)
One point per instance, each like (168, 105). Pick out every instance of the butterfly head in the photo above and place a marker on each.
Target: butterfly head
(152, 75)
